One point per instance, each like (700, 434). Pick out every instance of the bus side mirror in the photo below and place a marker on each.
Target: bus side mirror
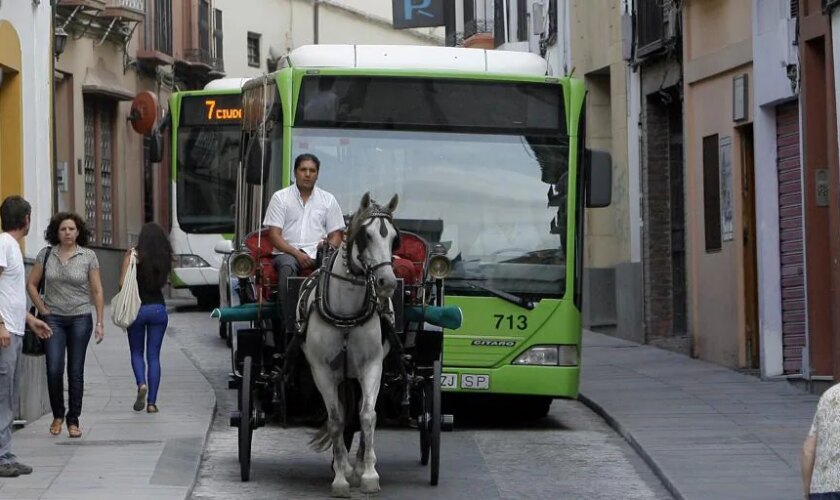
(598, 178)
(155, 146)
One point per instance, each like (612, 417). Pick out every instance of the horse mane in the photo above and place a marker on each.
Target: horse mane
(362, 214)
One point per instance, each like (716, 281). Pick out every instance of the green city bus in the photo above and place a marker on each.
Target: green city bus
(487, 154)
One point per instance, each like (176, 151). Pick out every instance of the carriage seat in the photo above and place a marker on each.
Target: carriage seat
(410, 258)
(263, 253)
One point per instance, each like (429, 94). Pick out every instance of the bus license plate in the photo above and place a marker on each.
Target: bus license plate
(475, 381)
(448, 381)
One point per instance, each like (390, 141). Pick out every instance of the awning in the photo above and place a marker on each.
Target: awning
(100, 81)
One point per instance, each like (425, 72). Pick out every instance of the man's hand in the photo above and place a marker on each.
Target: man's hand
(304, 260)
(5, 336)
(41, 329)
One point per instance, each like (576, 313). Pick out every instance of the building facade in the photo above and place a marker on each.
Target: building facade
(25, 155)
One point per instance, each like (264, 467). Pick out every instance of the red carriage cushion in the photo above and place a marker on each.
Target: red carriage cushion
(410, 258)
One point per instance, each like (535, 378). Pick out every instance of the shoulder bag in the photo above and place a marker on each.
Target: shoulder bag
(126, 303)
(32, 344)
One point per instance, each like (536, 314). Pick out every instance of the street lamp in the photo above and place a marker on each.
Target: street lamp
(60, 41)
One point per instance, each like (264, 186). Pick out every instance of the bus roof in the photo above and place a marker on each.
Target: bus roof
(226, 84)
(416, 57)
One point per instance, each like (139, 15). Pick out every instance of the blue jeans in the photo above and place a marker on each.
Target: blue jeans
(147, 333)
(71, 334)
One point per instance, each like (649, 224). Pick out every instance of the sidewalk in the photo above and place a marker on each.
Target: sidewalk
(123, 454)
(708, 432)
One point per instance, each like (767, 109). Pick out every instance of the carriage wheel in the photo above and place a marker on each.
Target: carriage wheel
(434, 428)
(425, 395)
(247, 413)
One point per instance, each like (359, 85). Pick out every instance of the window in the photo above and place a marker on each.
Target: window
(99, 155)
(163, 26)
(711, 193)
(204, 31)
(521, 21)
(254, 49)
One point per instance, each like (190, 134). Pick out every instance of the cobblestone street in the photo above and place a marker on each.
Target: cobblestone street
(571, 454)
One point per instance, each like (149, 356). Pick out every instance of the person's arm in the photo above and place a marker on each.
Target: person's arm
(41, 328)
(808, 454)
(335, 238)
(32, 287)
(125, 263)
(334, 224)
(98, 303)
(275, 236)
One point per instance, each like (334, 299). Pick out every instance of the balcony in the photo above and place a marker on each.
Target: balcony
(129, 10)
(157, 46)
(102, 20)
(198, 57)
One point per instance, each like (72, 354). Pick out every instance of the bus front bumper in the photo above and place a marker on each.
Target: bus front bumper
(190, 277)
(553, 381)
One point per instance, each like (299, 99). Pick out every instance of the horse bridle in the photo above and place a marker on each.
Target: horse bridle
(367, 270)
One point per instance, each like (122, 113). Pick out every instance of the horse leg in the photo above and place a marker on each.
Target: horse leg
(358, 467)
(370, 380)
(335, 426)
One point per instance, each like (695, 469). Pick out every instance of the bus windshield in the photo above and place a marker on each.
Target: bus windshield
(496, 202)
(208, 158)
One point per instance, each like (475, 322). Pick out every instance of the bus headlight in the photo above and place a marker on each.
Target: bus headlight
(439, 266)
(549, 355)
(190, 260)
(242, 265)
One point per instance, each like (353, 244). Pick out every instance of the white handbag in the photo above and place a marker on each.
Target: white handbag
(126, 303)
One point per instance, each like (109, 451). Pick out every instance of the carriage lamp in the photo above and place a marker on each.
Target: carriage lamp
(242, 265)
(549, 355)
(439, 266)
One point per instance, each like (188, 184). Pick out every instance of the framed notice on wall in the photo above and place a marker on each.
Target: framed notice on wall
(726, 205)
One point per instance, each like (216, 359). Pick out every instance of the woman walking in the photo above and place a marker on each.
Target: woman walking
(71, 279)
(154, 261)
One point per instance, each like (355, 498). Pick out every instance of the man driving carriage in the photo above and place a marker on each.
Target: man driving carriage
(300, 219)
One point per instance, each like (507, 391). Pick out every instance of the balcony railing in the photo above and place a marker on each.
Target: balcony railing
(200, 56)
(127, 10)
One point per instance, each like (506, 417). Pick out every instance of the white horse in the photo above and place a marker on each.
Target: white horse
(344, 338)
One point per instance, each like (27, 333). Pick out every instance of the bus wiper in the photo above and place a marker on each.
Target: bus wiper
(513, 299)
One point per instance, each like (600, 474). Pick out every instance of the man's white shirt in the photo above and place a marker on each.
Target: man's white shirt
(304, 225)
(12, 285)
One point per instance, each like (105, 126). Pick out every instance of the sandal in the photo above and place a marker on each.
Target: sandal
(73, 431)
(141, 398)
(151, 408)
(55, 426)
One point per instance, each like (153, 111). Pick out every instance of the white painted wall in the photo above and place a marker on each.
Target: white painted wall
(772, 51)
(32, 23)
(286, 24)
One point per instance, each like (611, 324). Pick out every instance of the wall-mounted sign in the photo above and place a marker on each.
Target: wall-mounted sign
(418, 13)
(740, 98)
(822, 187)
(726, 203)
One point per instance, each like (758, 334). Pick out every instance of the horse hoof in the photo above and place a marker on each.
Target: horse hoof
(370, 485)
(341, 491)
(355, 480)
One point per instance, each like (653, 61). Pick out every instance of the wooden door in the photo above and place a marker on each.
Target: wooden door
(749, 238)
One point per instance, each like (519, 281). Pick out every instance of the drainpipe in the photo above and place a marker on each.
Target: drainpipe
(54, 162)
(315, 5)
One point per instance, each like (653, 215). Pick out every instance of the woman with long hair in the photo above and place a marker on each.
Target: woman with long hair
(154, 261)
(71, 280)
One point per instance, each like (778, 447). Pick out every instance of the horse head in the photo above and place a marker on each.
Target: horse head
(372, 237)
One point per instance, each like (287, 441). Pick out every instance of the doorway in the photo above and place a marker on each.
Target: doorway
(752, 350)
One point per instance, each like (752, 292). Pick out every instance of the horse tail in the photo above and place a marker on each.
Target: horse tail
(321, 439)
(348, 392)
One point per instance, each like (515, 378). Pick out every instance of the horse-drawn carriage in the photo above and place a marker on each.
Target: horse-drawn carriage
(368, 335)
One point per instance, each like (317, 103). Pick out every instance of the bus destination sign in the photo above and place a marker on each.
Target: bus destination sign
(211, 110)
